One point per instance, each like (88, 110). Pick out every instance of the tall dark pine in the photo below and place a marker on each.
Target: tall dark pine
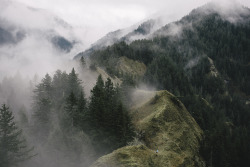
(74, 111)
(59, 84)
(110, 126)
(74, 83)
(81, 110)
(13, 148)
(42, 106)
(97, 104)
(110, 104)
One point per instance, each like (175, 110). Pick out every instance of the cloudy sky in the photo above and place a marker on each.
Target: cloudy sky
(102, 16)
(90, 19)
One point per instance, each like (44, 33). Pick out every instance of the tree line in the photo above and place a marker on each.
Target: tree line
(65, 121)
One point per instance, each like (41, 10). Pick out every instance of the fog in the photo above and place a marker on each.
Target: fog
(31, 53)
(82, 23)
(30, 47)
(99, 17)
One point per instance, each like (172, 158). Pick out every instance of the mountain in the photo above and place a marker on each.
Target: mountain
(173, 94)
(32, 38)
(188, 41)
(155, 26)
(203, 59)
(15, 28)
(166, 126)
(138, 31)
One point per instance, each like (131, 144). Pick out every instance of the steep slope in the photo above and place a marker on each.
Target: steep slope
(205, 33)
(139, 31)
(105, 76)
(165, 125)
(130, 67)
(204, 60)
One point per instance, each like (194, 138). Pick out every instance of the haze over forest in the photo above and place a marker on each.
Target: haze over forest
(107, 83)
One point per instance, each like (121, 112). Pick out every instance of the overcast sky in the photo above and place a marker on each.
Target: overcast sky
(90, 19)
(109, 15)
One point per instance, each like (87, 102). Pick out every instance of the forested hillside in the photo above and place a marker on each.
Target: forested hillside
(203, 59)
(65, 128)
(80, 129)
(150, 95)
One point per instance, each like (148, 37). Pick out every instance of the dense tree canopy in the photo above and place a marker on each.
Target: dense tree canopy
(62, 113)
(110, 121)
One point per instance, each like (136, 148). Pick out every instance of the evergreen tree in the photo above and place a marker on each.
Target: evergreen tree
(74, 83)
(59, 120)
(81, 110)
(111, 126)
(110, 104)
(13, 147)
(70, 113)
(59, 83)
(97, 104)
(42, 106)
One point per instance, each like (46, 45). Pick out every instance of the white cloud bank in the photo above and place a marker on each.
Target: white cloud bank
(95, 18)
(87, 20)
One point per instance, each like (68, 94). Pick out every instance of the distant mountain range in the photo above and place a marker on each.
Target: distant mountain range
(33, 38)
(157, 27)
(18, 22)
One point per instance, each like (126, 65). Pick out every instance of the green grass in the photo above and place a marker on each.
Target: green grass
(168, 127)
(131, 67)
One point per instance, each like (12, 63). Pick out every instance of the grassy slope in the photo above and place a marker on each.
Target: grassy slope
(168, 127)
(105, 76)
(132, 67)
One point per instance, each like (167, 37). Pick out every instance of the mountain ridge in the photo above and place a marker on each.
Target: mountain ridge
(203, 59)
(155, 27)
(165, 126)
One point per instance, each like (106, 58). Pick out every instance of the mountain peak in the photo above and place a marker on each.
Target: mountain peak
(231, 11)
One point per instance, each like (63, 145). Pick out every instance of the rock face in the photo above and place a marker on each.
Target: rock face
(165, 125)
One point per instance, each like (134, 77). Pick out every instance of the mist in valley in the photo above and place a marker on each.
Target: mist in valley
(37, 47)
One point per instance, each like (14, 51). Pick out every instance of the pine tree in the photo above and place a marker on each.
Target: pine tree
(42, 106)
(123, 128)
(74, 83)
(109, 89)
(81, 110)
(70, 113)
(111, 127)
(97, 104)
(110, 104)
(13, 148)
(59, 84)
